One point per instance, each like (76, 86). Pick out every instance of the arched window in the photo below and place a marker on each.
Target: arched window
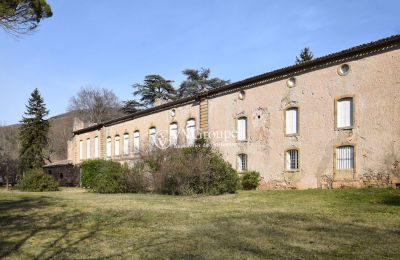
(173, 134)
(292, 160)
(88, 148)
(292, 124)
(136, 142)
(116, 146)
(344, 113)
(152, 138)
(108, 147)
(96, 147)
(242, 162)
(81, 150)
(190, 132)
(345, 157)
(126, 144)
(242, 129)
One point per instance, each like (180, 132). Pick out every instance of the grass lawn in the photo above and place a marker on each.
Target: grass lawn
(256, 224)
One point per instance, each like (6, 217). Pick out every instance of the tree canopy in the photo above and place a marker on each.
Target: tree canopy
(305, 55)
(33, 132)
(199, 81)
(23, 16)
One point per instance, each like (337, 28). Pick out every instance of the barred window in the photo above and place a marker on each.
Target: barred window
(345, 157)
(292, 159)
(242, 162)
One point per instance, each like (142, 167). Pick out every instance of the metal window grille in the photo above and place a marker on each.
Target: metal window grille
(243, 162)
(345, 157)
(292, 158)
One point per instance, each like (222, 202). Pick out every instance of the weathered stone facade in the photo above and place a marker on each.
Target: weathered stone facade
(67, 174)
(370, 78)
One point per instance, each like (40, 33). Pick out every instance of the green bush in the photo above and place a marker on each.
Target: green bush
(250, 180)
(195, 170)
(91, 168)
(109, 182)
(136, 180)
(37, 180)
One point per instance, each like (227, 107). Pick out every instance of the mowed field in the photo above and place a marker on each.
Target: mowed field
(349, 223)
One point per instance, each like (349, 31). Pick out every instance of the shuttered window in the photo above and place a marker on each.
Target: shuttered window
(126, 144)
(344, 113)
(242, 162)
(136, 142)
(80, 150)
(88, 148)
(96, 147)
(152, 138)
(116, 146)
(291, 121)
(108, 147)
(173, 134)
(242, 129)
(190, 132)
(345, 157)
(292, 159)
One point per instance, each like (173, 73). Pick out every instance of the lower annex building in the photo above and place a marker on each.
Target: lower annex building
(330, 122)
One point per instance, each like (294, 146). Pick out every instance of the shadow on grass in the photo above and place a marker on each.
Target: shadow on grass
(391, 200)
(28, 219)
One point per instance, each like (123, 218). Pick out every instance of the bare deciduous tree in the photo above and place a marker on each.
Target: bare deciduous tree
(95, 105)
(9, 154)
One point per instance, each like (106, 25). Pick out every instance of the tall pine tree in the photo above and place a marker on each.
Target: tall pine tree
(33, 133)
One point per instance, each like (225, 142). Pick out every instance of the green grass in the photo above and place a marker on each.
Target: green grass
(252, 224)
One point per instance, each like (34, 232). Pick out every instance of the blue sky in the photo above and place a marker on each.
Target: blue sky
(114, 44)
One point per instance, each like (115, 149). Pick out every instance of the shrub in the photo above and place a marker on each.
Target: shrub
(250, 180)
(37, 180)
(91, 168)
(194, 170)
(109, 182)
(137, 179)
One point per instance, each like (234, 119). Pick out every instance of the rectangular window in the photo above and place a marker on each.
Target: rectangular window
(136, 142)
(345, 157)
(242, 162)
(292, 159)
(116, 146)
(81, 150)
(152, 138)
(173, 134)
(88, 148)
(344, 111)
(108, 147)
(96, 147)
(126, 144)
(190, 132)
(291, 121)
(242, 129)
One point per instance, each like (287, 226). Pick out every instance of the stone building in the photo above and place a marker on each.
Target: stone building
(330, 122)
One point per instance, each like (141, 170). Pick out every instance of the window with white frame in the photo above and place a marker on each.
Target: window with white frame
(108, 147)
(173, 134)
(190, 132)
(292, 159)
(126, 144)
(152, 138)
(344, 113)
(136, 142)
(242, 162)
(242, 129)
(88, 148)
(116, 146)
(292, 120)
(81, 150)
(96, 147)
(345, 157)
